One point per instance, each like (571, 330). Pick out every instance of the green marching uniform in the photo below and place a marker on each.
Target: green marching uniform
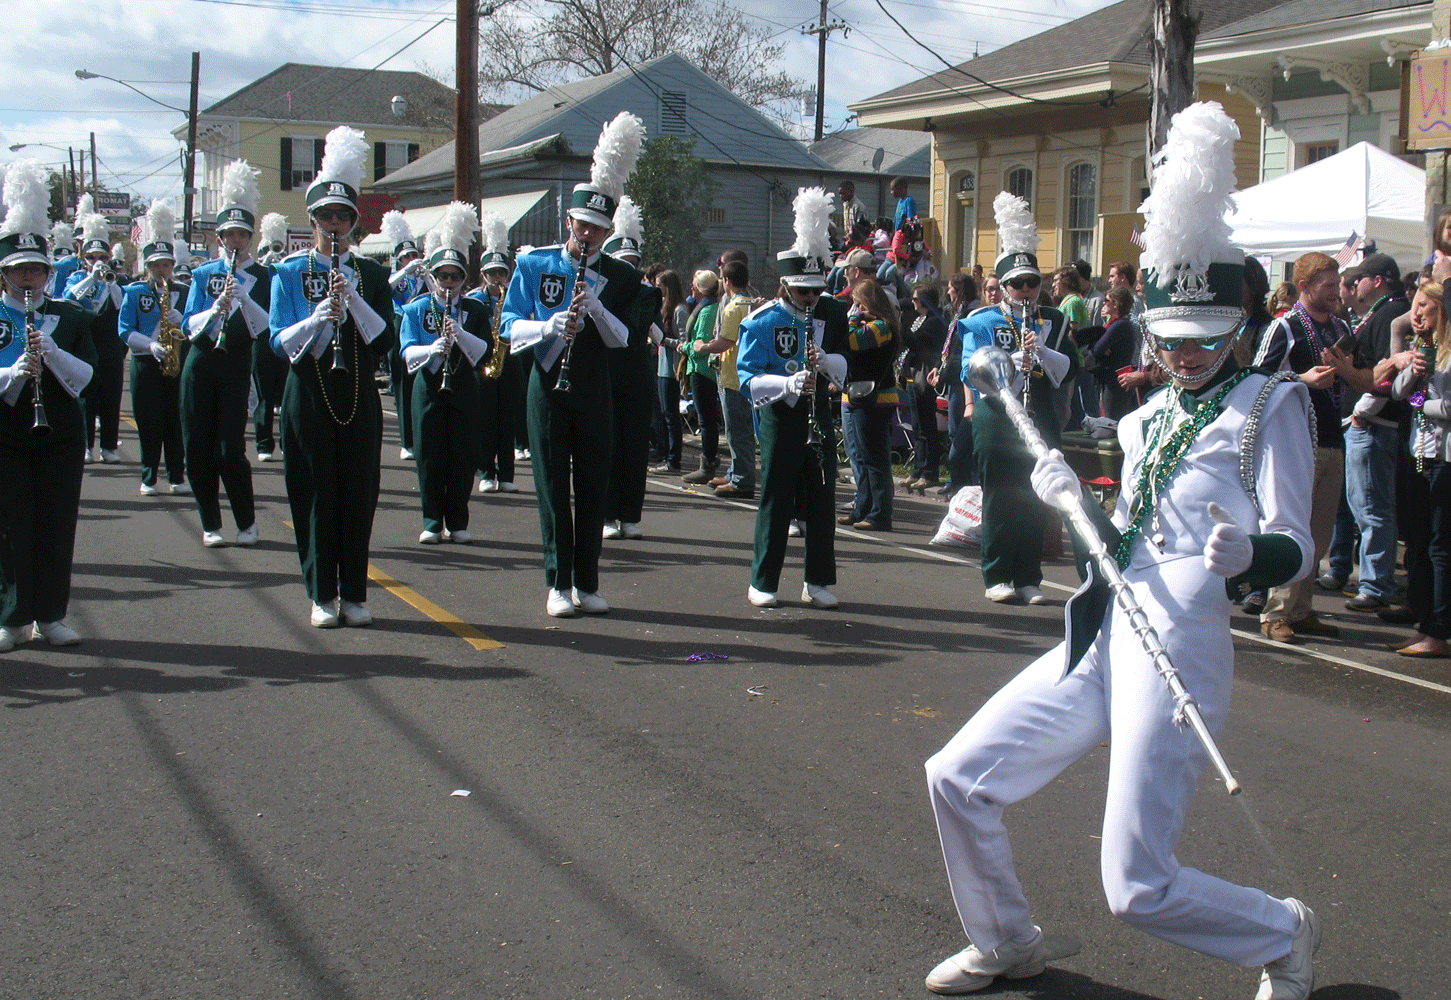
(215, 384)
(41, 473)
(498, 399)
(332, 419)
(445, 422)
(632, 380)
(155, 398)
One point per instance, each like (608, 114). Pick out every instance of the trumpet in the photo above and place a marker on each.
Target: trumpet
(40, 425)
(340, 364)
(494, 366)
(167, 333)
(563, 384)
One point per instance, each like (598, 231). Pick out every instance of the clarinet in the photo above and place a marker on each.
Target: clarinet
(40, 426)
(445, 382)
(562, 384)
(221, 347)
(339, 363)
(815, 435)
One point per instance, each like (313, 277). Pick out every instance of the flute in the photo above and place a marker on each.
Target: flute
(991, 372)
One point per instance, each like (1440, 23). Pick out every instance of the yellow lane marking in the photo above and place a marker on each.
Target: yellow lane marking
(444, 617)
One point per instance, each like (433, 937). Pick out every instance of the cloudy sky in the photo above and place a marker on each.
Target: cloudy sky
(148, 44)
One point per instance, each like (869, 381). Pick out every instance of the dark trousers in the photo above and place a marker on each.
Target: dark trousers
(214, 390)
(570, 440)
(869, 436)
(707, 407)
(498, 408)
(269, 376)
(402, 397)
(667, 389)
(794, 485)
(1436, 621)
(961, 461)
(156, 407)
(1012, 517)
(446, 440)
(630, 457)
(927, 443)
(101, 401)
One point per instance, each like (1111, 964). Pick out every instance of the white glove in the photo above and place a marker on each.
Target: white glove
(439, 347)
(157, 350)
(555, 325)
(174, 317)
(1054, 481)
(324, 311)
(1228, 551)
(592, 304)
(796, 384)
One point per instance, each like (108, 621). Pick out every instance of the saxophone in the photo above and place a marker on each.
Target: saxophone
(494, 366)
(168, 335)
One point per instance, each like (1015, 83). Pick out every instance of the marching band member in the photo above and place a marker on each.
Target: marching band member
(443, 336)
(1038, 340)
(65, 256)
(1218, 435)
(632, 378)
(226, 311)
(95, 284)
(269, 372)
(150, 324)
(331, 317)
(46, 361)
(781, 359)
(407, 282)
(502, 375)
(570, 304)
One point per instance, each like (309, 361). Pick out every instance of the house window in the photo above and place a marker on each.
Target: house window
(716, 216)
(1141, 183)
(1019, 181)
(673, 108)
(1320, 151)
(967, 218)
(1082, 211)
(392, 155)
(301, 159)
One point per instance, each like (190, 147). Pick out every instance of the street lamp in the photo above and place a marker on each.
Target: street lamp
(189, 188)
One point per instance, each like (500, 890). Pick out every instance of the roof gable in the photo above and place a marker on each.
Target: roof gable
(885, 151)
(1304, 12)
(303, 92)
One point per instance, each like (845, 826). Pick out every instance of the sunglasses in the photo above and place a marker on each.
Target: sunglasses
(448, 274)
(1204, 343)
(1026, 281)
(809, 291)
(333, 215)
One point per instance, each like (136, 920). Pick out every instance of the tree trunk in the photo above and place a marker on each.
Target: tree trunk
(1171, 70)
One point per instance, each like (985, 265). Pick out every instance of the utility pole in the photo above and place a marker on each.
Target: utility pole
(1171, 71)
(95, 177)
(466, 102)
(822, 29)
(80, 188)
(189, 187)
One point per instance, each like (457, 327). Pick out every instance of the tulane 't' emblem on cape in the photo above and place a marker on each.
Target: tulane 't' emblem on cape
(786, 342)
(551, 290)
(215, 284)
(1005, 338)
(430, 321)
(314, 287)
(7, 333)
(146, 302)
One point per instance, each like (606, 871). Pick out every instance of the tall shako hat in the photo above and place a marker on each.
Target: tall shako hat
(1193, 274)
(62, 238)
(614, 160)
(629, 231)
(27, 223)
(456, 231)
(496, 242)
(274, 230)
(158, 233)
(341, 173)
(95, 235)
(804, 265)
(1017, 237)
(395, 229)
(240, 196)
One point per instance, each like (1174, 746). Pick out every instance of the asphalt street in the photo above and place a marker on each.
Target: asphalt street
(211, 799)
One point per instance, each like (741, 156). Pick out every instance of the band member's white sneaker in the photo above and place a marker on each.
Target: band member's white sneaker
(264, 456)
(819, 596)
(797, 529)
(109, 457)
(611, 530)
(521, 454)
(323, 616)
(590, 603)
(355, 614)
(146, 490)
(213, 539)
(631, 530)
(405, 454)
(181, 488)
(58, 633)
(430, 537)
(1001, 593)
(247, 536)
(488, 485)
(460, 537)
(761, 598)
(12, 636)
(971, 970)
(558, 605)
(1032, 595)
(1292, 977)
(508, 488)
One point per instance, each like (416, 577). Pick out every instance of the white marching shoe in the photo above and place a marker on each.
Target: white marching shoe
(181, 488)
(611, 530)
(406, 454)
(264, 456)
(247, 536)
(558, 605)
(630, 529)
(427, 537)
(591, 603)
(1292, 977)
(460, 537)
(354, 614)
(508, 488)
(323, 616)
(797, 529)
(761, 598)
(488, 484)
(1001, 593)
(12, 636)
(58, 633)
(109, 457)
(1032, 595)
(819, 596)
(213, 539)
(147, 490)
(970, 970)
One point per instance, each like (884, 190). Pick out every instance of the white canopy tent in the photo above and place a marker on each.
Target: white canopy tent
(512, 207)
(1364, 190)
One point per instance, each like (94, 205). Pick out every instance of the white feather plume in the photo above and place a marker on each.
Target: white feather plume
(813, 217)
(85, 206)
(394, 228)
(1184, 223)
(629, 221)
(273, 228)
(344, 157)
(431, 242)
(496, 232)
(62, 234)
(615, 154)
(160, 222)
(458, 227)
(239, 186)
(118, 251)
(27, 199)
(1017, 231)
(94, 227)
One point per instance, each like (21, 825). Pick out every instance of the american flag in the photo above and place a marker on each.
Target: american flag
(136, 231)
(1347, 253)
(1137, 238)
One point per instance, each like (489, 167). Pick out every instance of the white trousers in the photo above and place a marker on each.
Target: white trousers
(1037, 725)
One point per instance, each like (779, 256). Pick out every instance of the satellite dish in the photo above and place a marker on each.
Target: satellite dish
(878, 157)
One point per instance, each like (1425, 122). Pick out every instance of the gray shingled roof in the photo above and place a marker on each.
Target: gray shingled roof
(1116, 33)
(336, 94)
(855, 150)
(1298, 12)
